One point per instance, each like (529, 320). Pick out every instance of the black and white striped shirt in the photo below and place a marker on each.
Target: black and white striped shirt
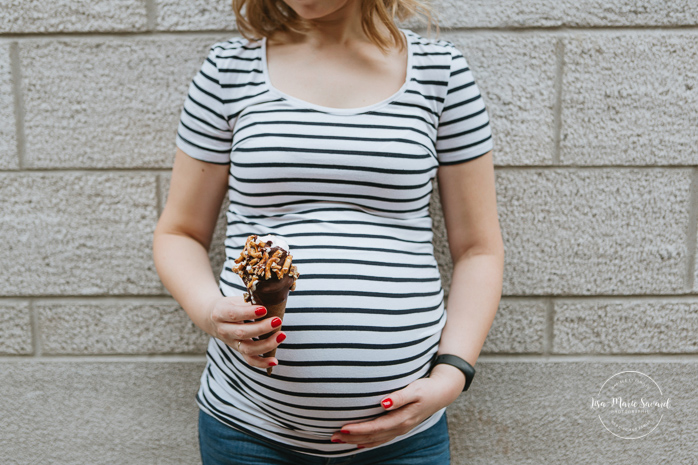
(349, 190)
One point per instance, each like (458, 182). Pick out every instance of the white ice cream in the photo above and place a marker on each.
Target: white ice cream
(276, 241)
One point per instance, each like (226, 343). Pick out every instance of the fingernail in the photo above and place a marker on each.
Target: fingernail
(276, 322)
(338, 440)
(280, 337)
(360, 447)
(344, 431)
(260, 311)
(387, 403)
(272, 364)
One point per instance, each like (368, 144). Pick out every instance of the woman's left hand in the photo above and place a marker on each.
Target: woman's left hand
(406, 408)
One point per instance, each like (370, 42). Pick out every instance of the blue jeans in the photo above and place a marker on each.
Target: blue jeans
(222, 445)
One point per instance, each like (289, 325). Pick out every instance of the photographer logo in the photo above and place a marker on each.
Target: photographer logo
(630, 405)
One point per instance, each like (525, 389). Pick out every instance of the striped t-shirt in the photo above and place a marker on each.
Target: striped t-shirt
(349, 190)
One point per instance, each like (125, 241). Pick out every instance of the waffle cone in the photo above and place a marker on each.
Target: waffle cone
(273, 311)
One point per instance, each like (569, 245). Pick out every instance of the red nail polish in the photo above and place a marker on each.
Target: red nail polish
(280, 337)
(260, 311)
(276, 322)
(344, 431)
(272, 364)
(360, 447)
(338, 440)
(387, 403)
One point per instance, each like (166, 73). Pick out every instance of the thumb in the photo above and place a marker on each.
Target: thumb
(399, 398)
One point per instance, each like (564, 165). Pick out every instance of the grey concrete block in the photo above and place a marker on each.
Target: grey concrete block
(196, 15)
(518, 327)
(217, 252)
(133, 413)
(695, 260)
(551, 13)
(516, 77)
(15, 328)
(628, 326)
(8, 139)
(630, 98)
(594, 231)
(535, 412)
(77, 234)
(202, 16)
(72, 15)
(106, 103)
(117, 327)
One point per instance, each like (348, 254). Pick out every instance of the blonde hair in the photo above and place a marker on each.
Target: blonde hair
(264, 17)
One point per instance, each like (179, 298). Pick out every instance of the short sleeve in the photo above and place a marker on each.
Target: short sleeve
(204, 132)
(464, 128)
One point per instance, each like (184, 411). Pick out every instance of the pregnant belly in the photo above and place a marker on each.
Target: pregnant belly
(350, 342)
(360, 325)
(319, 399)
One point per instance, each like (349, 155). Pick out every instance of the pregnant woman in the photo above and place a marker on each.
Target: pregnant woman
(326, 124)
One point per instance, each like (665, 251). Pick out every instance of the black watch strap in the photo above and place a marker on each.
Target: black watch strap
(459, 363)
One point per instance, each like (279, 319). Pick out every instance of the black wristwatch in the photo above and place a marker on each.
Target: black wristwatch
(459, 363)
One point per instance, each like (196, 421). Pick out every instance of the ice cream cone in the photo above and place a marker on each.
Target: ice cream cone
(272, 311)
(273, 294)
(265, 267)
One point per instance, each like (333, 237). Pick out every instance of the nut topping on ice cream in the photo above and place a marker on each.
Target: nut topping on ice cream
(265, 267)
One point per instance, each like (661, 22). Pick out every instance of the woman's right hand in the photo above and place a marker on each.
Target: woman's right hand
(227, 317)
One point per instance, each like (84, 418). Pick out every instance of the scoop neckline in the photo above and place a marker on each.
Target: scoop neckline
(340, 111)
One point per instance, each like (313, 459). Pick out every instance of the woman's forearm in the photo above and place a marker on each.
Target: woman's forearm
(476, 289)
(185, 270)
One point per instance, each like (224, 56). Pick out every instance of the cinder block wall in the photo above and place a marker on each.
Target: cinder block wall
(594, 108)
